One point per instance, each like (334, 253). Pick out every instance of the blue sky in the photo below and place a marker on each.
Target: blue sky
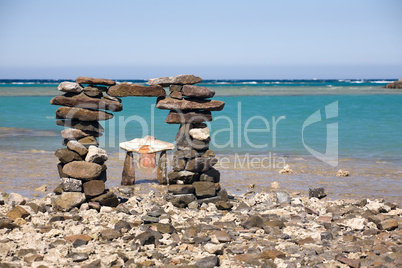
(125, 39)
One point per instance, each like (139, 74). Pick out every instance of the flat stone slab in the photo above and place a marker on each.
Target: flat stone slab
(95, 81)
(83, 101)
(125, 90)
(167, 103)
(148, 145)
(188, 117)
(82, 114)
(182, 79)
(91, 126)
(197, 92)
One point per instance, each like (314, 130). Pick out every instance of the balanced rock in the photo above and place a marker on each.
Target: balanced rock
(181, 79)
(82, 170)
(82, 114)
(125, 89)
(91, 126)
(83, 101)
(71, 185)
(66, 156)
(94, 188)
(184, 117)
(95, 81)
(201, 134)
(167, 103)
(77, 147)
(73, 134)
(204, 189)
(68, 200)
(96, 155)
(197, 92)
(70, 87)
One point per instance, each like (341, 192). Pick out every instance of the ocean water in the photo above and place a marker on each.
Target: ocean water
(294, 119)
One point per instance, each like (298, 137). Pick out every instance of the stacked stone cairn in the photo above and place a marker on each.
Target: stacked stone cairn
(193, 177)
(82, 166)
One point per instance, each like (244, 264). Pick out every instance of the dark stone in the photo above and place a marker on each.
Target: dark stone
(204, 189)
(149, 219)
(182, 79)
(165, 228)
(148, 238)
(167, 103)
(208, 200)
(6, 223)
(128, 174)
(253, 221)
(82, 114)
(88, 141)
(83, 101)
(181, 189)
(207, 262)
(91, 126)
(354, 263)
(317, 192)
(178, 164)
(211, 175)
(122, 226)
(197, 92)
(94, 92)
(201, 164)
(79, 242)
(326, 236)
(223, 205)
(182, 200)
(187, 177)
(66, 156)
(59, 218)
(223, 194)
(77, 147)
(60, 170)
(161, 170)
(93, 188)
(183, 117)
(108, 199)
(110, 234)
(187, 153)
(82, 170)
(125, 89)
(94, 81)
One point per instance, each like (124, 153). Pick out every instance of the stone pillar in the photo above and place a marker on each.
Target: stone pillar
(128, 175)
(161, 170)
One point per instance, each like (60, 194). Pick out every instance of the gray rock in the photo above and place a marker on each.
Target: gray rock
(223, 194)
(107, 199)
(71, 185)
(82, 114)
(82, 100)
(184, 117)
(91, 126)
(77, 147)
(66, 156)
(14, 199)
(197, 92)
(253, 221)
(282, 197)
(176, 88)
(167, 103)
(110, 234)
(207, 262)
(181, 189)
(201, 164)
(94, 81)
(79, 257)
(182, 200)
(148, 238)
(186, 177)
(125, 89)
(94, 188)
(67, 200)
(204, 189)
(122, 226)
(211, 175)
(182, 79)
(165, 228)
(70, 87)
(82, 170)
(96, 155)
(317, 192)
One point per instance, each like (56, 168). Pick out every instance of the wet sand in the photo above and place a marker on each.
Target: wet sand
(23, 171)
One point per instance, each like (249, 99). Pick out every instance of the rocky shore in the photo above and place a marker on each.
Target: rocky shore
(271, 229)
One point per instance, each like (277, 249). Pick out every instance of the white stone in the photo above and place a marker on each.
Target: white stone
(342, 173)
(213, 248)
(14, 199)
(70, 87)
(275, 185)
(96, 155)
(286, 170)
(148, 145)
(355, 223)
(201, 134)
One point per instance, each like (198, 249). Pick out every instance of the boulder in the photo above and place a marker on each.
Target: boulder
(89, 126)
(82, 100)
(201, 134)
(71, 185)
(197, 92)
(82, 114)
(167, 103)
(77, 147)
(204, 189)
(96, 155)
(73, 134)
(95, 81)
(70, 87)
(94, 188)
(82, 170)
(182, 79)
(188, 117)
(66, 156)
(67, 200)
(180, 201)
(125, 90)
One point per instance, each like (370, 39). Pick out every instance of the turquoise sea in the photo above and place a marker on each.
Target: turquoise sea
(261, 117)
